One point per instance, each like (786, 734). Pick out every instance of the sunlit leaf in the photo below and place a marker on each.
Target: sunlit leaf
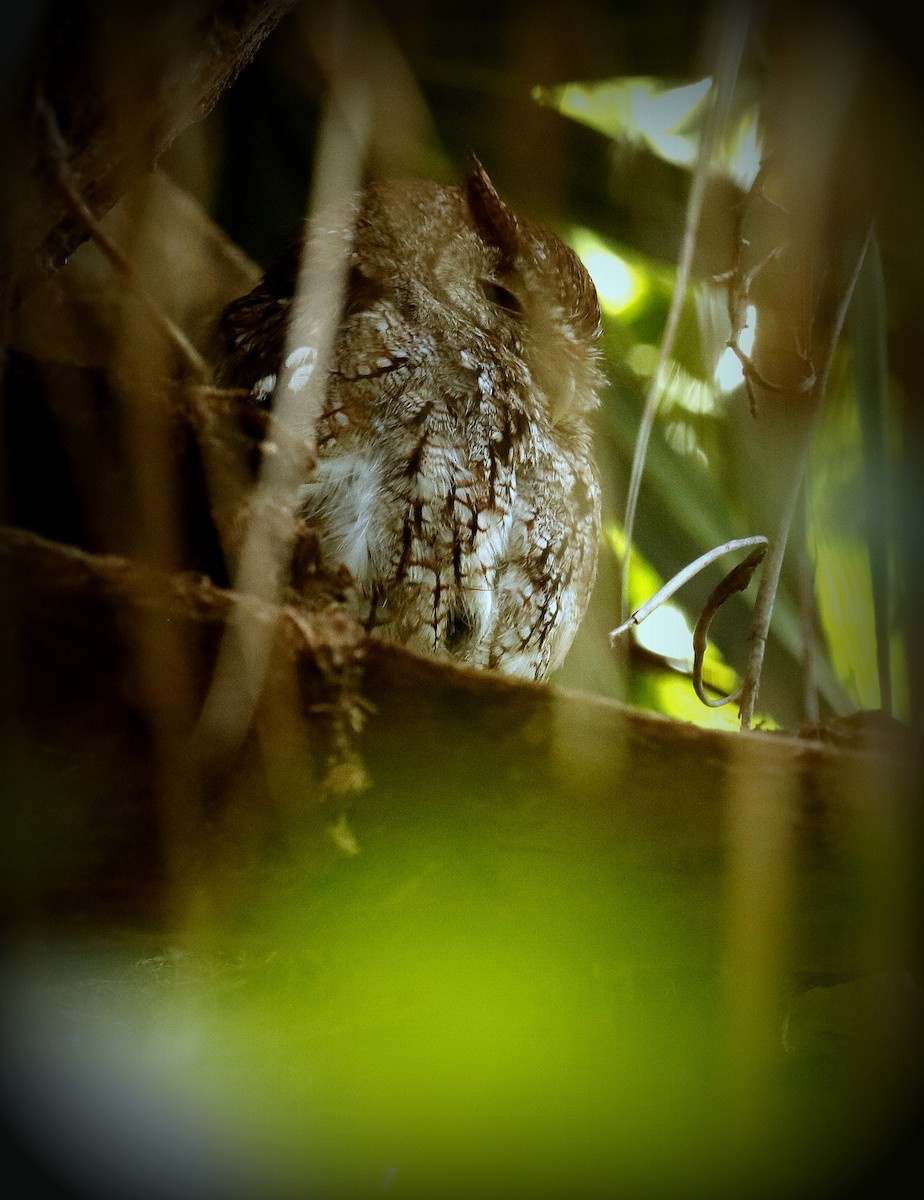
(639, 109)
(841, 528)
(845, 602)
(674, 695)
(868, 338)
(661, 115)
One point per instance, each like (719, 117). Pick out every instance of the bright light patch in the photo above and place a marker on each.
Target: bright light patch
(683, 390)
(682, 439)
(676, 696)
(637, 109)
(742, 155)
(666, 119)
(643, 358)
(617, 284)
(728, 373)
(667, 634)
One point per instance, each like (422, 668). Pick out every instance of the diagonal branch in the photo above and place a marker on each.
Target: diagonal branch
(123, 82)
(735, 34)
(770, 577)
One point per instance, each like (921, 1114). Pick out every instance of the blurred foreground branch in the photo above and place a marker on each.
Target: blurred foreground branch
(521, 769)
(122, 83)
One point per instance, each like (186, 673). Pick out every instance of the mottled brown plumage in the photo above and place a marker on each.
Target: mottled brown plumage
(454, 476)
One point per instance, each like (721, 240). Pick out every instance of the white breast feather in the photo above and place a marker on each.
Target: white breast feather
(341, 501)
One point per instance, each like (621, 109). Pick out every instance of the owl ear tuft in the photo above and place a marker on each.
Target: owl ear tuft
(494, 221)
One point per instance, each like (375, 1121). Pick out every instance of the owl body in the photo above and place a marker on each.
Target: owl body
(454, 477)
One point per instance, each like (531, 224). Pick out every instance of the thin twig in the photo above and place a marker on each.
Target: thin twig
(738, 283)
(735, 581)
(735, 29)
(770, 577)
(676, 582)
(70, 189)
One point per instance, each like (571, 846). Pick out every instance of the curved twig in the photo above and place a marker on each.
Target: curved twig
(736, 580)
(692, 569)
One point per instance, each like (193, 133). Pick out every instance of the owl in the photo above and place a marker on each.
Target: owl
(454, 477)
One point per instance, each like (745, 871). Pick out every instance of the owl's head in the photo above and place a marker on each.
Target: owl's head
(459, 257)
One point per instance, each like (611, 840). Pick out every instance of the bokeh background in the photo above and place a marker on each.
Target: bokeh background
(558, 946)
